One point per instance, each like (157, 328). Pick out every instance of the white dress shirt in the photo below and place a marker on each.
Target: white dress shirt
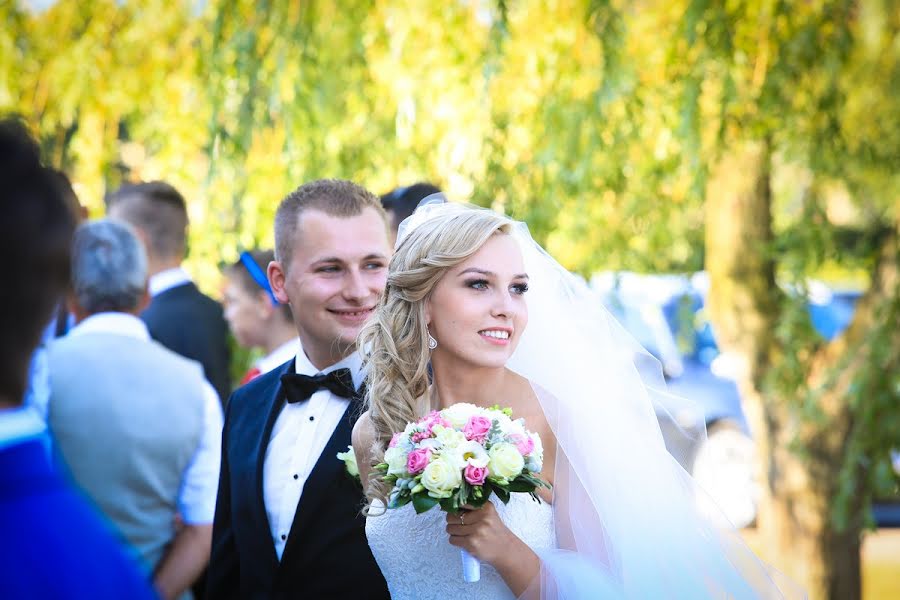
(166, 280)
(199, 486)
(279, 356)
(298, 438)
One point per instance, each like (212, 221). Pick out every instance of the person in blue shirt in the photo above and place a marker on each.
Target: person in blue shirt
(52, 543)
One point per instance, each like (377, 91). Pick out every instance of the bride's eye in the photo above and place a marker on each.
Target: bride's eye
(477, 284)
(519, 288)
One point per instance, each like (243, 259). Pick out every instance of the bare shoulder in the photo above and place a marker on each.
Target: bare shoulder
(527, 396)
(363, 435)
(529, 406)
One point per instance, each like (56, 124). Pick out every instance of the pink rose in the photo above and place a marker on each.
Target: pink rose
(417, 460)
(421, 435)
(435, 418)
(477, 428)
(476, 475)
(524, 443)
(395, 440)
(429, 421)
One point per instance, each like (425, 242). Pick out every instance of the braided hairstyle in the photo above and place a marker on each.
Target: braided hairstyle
(395, 340)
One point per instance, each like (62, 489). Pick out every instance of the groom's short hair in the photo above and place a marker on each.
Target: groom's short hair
(334, 197)
(35, 240)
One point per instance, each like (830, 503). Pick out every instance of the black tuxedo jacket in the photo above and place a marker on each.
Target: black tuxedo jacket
(191, 324)
(326, 554)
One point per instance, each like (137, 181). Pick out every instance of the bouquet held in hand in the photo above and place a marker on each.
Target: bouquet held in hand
(457, 458)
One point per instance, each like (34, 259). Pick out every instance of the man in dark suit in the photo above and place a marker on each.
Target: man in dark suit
(288, 522)
(179, 316)
(53, 545)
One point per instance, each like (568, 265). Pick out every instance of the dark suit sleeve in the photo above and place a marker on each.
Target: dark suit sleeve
(223, 577)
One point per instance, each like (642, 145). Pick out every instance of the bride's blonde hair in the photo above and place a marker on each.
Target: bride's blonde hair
(395, 341)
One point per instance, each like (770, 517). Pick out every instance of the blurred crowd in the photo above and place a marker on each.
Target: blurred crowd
(117, 370)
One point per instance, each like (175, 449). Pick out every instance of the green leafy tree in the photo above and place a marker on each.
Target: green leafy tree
(757, 138)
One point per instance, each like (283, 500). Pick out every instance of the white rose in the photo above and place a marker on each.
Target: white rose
(441, 477)
(505, 461)
(430, 443)
(396, 460)
(459, 414)
(516, 427)
(449, 438)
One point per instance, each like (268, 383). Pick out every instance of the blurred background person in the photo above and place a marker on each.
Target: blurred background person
(401, 202)
(61, 321)
(52, 543)
(179, 316)
(256, 318)
(136, 424)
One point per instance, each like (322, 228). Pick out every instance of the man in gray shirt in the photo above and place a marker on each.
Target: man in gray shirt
(137, 425)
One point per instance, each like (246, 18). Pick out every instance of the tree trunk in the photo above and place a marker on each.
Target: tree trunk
(798, 488)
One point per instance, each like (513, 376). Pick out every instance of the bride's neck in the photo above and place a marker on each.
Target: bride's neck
(458, 383)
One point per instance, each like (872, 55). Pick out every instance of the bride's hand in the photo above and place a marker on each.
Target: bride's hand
(482, 533)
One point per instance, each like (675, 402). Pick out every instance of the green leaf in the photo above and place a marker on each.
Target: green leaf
(423, 503)
(501, 493)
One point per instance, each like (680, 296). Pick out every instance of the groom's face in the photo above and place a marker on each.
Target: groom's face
(334, 280)
(477, 311)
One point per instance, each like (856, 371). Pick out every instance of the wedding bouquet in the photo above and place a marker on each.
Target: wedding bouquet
(458, 457)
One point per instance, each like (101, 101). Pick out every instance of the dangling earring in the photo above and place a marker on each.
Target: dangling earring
(432, 343)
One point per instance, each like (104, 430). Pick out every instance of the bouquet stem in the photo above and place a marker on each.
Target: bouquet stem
(471, 567)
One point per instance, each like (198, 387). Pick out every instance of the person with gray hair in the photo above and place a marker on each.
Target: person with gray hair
(109, 268)
(137, 425)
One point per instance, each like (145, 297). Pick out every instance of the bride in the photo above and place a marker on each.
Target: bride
(474, 311)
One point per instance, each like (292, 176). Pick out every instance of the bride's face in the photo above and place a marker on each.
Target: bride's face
(477, 311)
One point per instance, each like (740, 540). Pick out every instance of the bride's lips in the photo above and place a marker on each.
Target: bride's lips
(352, 315)
(498, 336)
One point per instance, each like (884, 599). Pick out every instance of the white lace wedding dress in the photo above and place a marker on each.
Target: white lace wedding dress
(419, 563)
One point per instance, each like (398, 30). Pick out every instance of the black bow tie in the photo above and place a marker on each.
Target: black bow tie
(300, 387)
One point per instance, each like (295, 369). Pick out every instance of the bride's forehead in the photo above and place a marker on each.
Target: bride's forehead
(500, 254)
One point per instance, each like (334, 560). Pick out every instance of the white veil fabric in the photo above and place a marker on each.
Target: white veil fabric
(630, 521)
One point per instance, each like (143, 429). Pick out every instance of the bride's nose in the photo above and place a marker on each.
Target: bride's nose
(503, 305)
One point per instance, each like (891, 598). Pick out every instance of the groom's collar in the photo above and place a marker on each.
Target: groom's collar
(303, 366)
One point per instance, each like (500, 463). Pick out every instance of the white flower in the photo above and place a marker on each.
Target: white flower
(516, 427)
(441, 477)
(349, 458)
(449, 438)
(468, 453)
(505, 423)
(396, 460)
(459, 414)
(431, 443)
(474, 454)
(505, 461)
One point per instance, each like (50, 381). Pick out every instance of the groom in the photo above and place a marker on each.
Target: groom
(287, 521)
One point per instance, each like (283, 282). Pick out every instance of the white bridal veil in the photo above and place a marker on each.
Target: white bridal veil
(630, 521)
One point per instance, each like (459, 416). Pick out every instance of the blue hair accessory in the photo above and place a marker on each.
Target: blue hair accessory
(258, 275)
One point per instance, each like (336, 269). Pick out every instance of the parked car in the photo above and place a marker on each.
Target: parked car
(666, 314)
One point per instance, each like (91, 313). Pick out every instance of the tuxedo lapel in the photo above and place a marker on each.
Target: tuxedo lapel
(276, 401)
(327, 467)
